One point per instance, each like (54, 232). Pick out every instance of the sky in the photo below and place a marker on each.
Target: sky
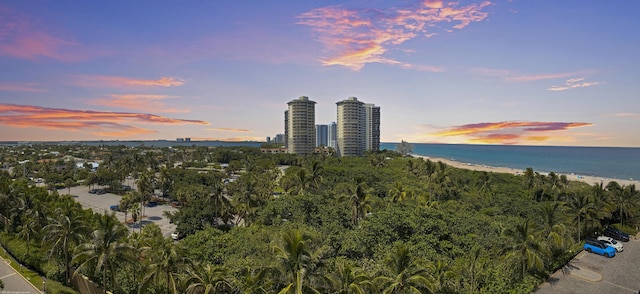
(544, 72)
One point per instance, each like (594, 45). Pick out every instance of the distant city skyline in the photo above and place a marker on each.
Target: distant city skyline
(559, 73)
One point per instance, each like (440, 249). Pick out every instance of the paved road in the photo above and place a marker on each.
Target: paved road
(591, 273)
(100, 203)
(13, 281)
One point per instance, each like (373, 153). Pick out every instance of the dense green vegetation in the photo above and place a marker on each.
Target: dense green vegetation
(280, 223)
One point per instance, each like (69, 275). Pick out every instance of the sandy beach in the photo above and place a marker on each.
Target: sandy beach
(572, 177)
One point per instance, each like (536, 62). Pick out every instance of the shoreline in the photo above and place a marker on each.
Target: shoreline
(572, 177)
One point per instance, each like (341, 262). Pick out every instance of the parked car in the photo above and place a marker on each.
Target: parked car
(114, 207)
(598, 247)
(611, 242)
(616, 234)
(93, 191)
(177, 235)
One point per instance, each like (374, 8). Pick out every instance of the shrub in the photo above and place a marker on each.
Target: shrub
(57, 287)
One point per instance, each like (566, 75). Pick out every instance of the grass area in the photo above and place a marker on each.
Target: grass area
(631, 230)
(30, 275)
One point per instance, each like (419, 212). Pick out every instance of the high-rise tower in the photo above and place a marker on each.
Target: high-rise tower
(350, 128)
(322, 135)
(331, 134)
(301, 126)
(358, 127)
(372, 127)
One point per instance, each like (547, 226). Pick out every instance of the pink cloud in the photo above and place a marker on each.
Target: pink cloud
(573, 84)
(25, 39)
(513, 76)
(355, 37)
(509, 132)
(113, 81)
(101, 123)
(144, 102)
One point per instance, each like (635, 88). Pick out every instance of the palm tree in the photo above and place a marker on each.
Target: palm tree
(106, 248)
(403, 275)
(145, 188)
(581, 207)
(443, 276)
(298, 260)
(12, 206)
(245, 198)
(348, 279)
(300, 182)
(377, 160)
(68, 183)
(398, 192)
(526, 246)
(475, 266)
(32, 226)
(359, 198)
(440, 180)
(219, 203)
(315, 176)
(604, 200)
(554, 230)
(552, 225)
(29, 230)
(125, 205)
(63, 233)
(166, 181)
(627, 202)
(254, 280)
(208, 279)
(529, 178)
(165, 263)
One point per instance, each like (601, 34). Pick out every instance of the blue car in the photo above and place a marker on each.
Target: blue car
(599, 247)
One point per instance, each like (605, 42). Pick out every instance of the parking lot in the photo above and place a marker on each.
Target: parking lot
(100, 203)
(592, 273)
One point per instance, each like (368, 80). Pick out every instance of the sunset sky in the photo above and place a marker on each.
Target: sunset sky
(542, 72)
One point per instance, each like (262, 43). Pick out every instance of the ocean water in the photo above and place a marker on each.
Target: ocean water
(606, 162)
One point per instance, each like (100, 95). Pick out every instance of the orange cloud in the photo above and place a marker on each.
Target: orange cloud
(146, 102)
(434, 4)
(573, 84)
(19, 87)
(357, 37)
(111, 81)
(510, 132)
(97, 122)
(24, 39)
(627, 114)
(496, 139)
(229, 130)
